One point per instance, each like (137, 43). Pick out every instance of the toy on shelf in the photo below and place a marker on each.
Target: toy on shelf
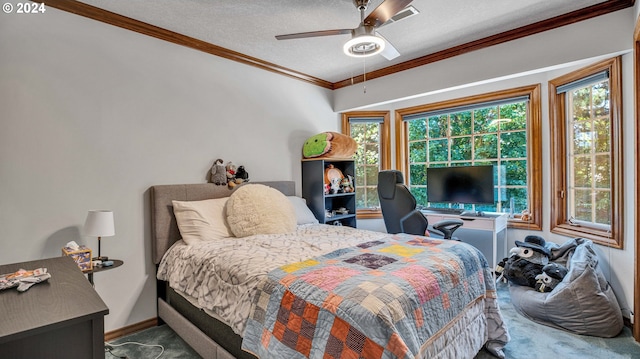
(329, 145)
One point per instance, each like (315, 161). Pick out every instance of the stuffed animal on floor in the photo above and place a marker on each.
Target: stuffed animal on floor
(329, 145)
(526, 261)
(218, 173)
(551, 275)
(499, 270)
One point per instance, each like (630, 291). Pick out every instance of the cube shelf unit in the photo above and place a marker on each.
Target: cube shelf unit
(318, 201)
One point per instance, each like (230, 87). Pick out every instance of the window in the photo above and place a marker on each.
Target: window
(502, 129)
(371, 131)
(586, 119)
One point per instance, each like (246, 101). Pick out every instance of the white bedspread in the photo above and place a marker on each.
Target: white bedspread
(222, 275)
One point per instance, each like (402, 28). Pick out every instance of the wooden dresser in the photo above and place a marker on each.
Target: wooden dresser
(60, 318)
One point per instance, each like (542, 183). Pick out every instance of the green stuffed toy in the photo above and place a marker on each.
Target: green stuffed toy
(329, 145)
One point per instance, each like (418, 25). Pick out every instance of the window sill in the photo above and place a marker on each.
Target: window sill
(605, 238)
(368, 214)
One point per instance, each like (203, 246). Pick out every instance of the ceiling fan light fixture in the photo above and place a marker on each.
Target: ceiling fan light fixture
(364, 46)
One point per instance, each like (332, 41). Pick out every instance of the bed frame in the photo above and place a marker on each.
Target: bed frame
(210, 338)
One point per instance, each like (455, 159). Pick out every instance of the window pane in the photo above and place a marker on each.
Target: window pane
(461, 148)
(368, 159)
(603, 205)
(361, 198)
(461, 123)
(418, 151)
(516, 172)
(513, 116)
(582, 205)
(417, 130)
(513, 144)
(438, 150)
(359, 176)
(582, 137)
(601, 99)
(372, 154)
(371, 174)
(484, 120)
(418, 174)
(582, 104)
(438, 126)
(520, 199)
(602, 135)
(372, 197)
(486, 147)
(420, 193)
(589, 156)
(582, 172)
(602, 175)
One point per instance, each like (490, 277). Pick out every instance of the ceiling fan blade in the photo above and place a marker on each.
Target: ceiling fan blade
(389, 52)
(385, 11)
(301, 35)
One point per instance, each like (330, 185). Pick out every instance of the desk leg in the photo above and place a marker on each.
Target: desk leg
(90, 277)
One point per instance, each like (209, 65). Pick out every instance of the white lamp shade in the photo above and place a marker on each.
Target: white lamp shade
(99, 223)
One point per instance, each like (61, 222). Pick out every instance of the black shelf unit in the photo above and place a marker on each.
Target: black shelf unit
(318, 201)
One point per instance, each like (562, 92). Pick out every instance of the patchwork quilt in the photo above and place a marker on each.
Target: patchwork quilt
(383, 298)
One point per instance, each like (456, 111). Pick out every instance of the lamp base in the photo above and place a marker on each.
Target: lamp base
(101, 258)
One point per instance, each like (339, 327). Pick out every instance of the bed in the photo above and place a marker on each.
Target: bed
(320, 290)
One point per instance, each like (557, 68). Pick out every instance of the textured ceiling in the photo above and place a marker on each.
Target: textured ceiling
(249, 27)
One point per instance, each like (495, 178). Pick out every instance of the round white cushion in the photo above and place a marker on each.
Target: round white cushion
(258, 209)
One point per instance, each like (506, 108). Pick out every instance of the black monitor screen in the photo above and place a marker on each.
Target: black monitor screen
(468, 184)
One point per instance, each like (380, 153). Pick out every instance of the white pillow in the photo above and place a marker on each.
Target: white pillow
(202, 220)
(259, 209)
(303, 213)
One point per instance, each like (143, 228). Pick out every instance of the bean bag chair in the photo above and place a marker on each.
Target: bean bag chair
(582, 303)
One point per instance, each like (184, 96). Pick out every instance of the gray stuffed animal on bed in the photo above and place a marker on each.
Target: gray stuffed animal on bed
(218, 173)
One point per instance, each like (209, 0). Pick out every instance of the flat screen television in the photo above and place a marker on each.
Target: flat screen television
(464, 184)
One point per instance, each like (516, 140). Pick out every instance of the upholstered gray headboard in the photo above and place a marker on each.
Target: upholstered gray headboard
(164, 229)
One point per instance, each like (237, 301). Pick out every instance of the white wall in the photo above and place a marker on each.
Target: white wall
(445, 80)
(92, 115)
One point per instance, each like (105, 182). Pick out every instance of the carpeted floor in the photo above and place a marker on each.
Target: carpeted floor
(529, 340)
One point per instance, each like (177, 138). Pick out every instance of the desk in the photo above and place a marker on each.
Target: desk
(60, 318)
(488, 232)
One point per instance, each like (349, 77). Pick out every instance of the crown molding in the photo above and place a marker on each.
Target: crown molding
(124, 22)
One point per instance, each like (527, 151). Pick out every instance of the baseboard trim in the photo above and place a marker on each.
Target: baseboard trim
(129, 329)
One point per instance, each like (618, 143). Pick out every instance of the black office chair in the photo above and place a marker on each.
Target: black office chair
(399, 209)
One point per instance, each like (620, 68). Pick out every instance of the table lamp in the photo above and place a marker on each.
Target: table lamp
(99, 223)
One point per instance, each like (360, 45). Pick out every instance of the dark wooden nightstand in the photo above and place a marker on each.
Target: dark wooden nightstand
(60, 318)
(116, 263)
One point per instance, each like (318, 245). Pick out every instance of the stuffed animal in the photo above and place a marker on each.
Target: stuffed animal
(499, 271)
(526, 261)
(551, 275)
(347, 184)
(231, 174)
(218, 173)
(329, 145)
(242, 175)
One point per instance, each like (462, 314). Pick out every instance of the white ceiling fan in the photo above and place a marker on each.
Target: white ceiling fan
(365, 40)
